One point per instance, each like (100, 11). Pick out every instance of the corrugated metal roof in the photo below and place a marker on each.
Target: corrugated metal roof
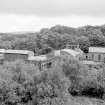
(30, 53)
(97, 49)
(17, 51)
(2, 50)
(38, 58)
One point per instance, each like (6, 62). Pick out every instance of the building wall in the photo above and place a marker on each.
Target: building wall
(65, 54)
(13, 57)
(87, 56)
(1, 58)
(78, 57)
(97, 57)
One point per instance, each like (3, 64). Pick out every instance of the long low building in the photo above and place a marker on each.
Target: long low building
(41, 60)
(51, 58)
(12, 55)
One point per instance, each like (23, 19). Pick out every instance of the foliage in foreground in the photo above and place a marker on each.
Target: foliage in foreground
(85, 81)
(24, 84)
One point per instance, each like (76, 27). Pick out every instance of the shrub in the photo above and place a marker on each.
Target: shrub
(30, 86)
(84, 82)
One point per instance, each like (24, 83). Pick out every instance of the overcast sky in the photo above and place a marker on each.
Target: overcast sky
(32, 15)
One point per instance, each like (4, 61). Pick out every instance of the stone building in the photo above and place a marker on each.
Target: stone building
(96, 55)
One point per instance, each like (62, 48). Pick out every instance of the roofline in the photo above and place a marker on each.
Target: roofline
(16, 51)
(96, 48)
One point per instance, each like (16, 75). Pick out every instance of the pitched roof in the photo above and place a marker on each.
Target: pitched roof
(69, 51)
(97, 49)
(72, 52)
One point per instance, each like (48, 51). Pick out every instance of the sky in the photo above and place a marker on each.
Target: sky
(33, 15)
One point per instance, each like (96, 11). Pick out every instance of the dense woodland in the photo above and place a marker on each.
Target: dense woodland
(56, 37)
(68, 82)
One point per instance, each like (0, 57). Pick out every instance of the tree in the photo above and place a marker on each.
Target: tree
(84, 43)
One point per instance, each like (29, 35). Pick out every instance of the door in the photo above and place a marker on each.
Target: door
(104, 60)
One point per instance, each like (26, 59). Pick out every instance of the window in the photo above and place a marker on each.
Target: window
(99, 57)
(92, 56)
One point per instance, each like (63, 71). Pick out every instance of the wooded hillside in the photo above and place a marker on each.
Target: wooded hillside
(68, 82)
(54, 38)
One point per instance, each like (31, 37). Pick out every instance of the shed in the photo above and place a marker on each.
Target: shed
(73, 53)
(11, 55)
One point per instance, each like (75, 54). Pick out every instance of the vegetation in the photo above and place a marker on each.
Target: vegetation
(22, 83)
(56, 37)
(68, 82)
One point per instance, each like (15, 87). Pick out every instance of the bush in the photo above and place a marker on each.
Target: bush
(24, 84)
(84, 82)
(31, 86)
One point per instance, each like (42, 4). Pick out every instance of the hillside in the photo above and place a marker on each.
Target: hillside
(56, 37)
(68, 83)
